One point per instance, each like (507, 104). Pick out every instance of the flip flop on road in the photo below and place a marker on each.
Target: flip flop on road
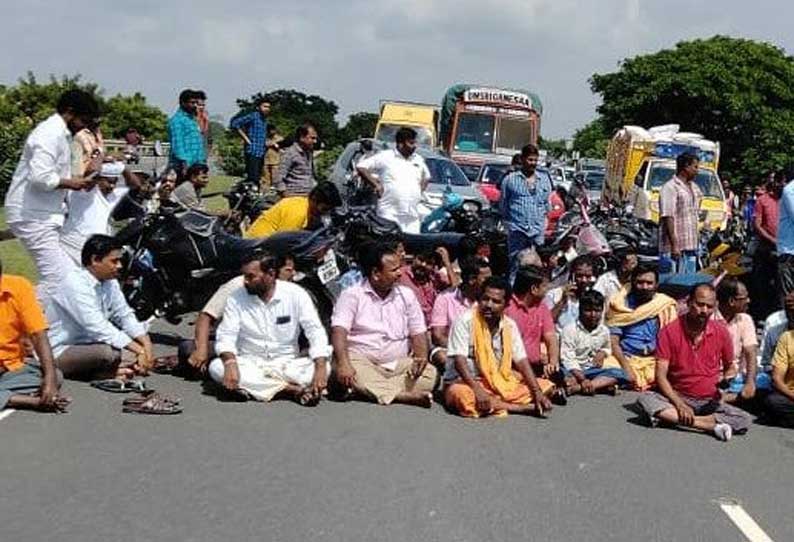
(116, 385)
(153, 404)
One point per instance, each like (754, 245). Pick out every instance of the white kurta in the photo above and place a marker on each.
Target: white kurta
(264, 339)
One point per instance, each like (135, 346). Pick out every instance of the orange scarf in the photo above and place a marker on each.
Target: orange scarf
(498, 374)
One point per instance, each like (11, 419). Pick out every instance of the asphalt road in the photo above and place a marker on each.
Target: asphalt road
(247, 471)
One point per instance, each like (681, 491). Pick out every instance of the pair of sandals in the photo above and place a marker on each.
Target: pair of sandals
(151, 402)
(147, 402)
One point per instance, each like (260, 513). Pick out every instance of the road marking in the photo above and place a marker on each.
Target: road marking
(747, 525)
(6, 413)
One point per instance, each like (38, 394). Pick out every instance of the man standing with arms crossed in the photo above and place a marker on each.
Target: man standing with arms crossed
(679, 206)
(35, 202)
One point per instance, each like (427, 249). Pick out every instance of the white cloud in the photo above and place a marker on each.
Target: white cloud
(360, 51)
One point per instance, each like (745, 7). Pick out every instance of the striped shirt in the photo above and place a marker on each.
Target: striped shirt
(524, 203)
(254, 124)
(680, 201)
(187, 144)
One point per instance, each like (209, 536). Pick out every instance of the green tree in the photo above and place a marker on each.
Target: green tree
(361, 124)
(123, 112)
(736, 91)
(591, 140)
(554, 147)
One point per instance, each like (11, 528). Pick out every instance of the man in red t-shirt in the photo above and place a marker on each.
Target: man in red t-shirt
(536, 325)
(691, 353)
(765, 219)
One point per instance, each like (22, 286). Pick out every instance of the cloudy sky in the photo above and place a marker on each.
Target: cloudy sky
(357, 52)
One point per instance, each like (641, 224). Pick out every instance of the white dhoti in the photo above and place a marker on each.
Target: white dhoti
(42, 241)
(264, 378)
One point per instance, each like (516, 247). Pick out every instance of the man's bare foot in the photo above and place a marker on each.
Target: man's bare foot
(33, 402)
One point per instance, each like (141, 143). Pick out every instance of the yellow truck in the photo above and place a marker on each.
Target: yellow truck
(421, 117)
(640, 161)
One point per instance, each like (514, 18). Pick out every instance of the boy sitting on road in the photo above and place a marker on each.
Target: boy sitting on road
(585, 346)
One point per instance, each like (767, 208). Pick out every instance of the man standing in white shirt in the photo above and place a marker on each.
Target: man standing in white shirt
(35, 200)
(258, 338)
(399, 177)
(90, 210)
(93, 331)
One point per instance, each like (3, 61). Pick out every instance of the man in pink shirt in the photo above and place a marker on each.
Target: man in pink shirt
(425, 279)
(691, 354)
(379, 336)
(452, 303)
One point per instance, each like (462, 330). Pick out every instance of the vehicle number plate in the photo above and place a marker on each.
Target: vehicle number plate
(328, 271)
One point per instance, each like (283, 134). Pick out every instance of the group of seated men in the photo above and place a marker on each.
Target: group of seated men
(400, 332)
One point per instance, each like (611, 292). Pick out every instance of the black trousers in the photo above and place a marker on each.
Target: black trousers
(253, 169)
(780, 409)
(764, 283)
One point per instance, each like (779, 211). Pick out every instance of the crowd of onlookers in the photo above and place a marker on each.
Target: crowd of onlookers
(406, 328)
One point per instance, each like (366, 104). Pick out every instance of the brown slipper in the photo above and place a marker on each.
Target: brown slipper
(165, 364)
(154, 404)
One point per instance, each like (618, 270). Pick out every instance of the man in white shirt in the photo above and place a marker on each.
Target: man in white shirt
(611, 282)
(93, 331)
(258, 338)
(399, 177)
(90, 210)
(35, 202)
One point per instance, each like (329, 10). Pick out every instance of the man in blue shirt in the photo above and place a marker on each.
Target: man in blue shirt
(252, 127)
(785, 237)
(184, 135)
(524, 202)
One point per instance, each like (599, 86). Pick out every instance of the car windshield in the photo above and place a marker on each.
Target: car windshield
(445, 172)
(706, 179)
(493, 173)
(513, 134)
(594, 180)
(386, 133)
(474, 133)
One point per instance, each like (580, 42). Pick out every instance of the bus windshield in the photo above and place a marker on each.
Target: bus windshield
(513, 134)
(475, 133)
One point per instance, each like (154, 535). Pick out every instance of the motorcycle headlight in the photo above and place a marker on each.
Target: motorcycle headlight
(471, 206)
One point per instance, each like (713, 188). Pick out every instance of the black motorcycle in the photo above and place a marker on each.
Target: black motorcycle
(176, 260)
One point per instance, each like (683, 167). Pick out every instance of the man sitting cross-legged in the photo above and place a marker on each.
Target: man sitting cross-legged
(779, 404)
(691, 355)
(194, 355)
(452, 303)
(93, 331)
(485, 348)
(25, 383)
(585, 346)
(534, 321)
(634, 316)
(379, 335)
(257, 338)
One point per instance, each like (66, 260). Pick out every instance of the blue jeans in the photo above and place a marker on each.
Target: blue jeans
(516, 242)
(686, 263)
(595, 372)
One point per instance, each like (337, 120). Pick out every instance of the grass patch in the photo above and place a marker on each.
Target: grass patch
(16, 260)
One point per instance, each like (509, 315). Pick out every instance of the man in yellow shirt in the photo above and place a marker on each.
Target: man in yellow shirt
(296, 212)
(780, 403)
